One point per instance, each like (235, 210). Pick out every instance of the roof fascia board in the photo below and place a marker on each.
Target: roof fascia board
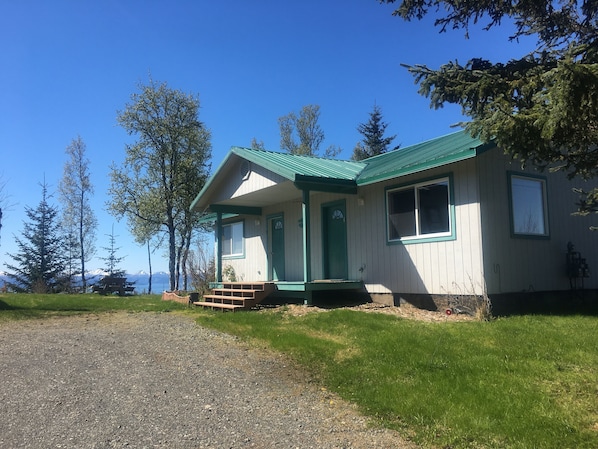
(211, 218)
(232, 209)
(209, 182)
(330, 185)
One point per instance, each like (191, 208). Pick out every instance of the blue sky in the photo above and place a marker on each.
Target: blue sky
(68, 66)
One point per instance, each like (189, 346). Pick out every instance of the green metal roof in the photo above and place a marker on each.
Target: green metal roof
(422, 156)
(292, 166)
(337, 175)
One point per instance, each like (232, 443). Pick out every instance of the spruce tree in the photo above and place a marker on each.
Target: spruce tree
(539, 107)
(373, 142)
(112, 260)
(39, 263)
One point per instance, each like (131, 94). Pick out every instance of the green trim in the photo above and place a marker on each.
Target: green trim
(238, 210)
(212, 217)
(422, 238)
(209, 182)
(331, 185)
(306, 233)
(519, 235)
(218, 232)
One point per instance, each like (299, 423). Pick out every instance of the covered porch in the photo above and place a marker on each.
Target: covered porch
(254, 186)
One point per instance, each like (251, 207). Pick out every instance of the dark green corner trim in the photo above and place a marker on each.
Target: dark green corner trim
(240, 210)
(332, 185)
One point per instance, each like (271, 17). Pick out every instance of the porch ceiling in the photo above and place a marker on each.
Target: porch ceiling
(279, 193)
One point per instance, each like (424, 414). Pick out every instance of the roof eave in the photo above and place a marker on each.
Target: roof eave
(195, 204)
(331, 185)
(253, 156)
(417, 168)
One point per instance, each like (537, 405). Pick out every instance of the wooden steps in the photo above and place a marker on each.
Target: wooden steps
(236, 295)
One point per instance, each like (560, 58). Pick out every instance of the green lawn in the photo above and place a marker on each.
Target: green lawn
(30, 305)
(518, 382)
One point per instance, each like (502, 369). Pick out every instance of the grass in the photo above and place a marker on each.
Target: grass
(30, 305)
(518, 382)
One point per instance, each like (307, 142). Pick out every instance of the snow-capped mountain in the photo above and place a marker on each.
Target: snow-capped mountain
(160, 279)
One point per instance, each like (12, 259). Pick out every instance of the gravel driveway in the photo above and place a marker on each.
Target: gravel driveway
(149, 380)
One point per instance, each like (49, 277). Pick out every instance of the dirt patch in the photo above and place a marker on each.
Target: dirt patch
(406, 311)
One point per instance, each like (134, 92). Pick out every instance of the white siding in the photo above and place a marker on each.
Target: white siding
(483, 255)
(293, 238)
(239, 182)
(252, 266)
(427, 267)
(515, 264)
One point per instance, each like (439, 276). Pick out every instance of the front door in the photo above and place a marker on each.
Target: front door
(277, 268)
(334, 224)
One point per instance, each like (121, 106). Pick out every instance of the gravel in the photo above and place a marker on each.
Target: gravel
(146, 380)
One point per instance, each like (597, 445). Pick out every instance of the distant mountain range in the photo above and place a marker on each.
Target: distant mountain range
(160, 279)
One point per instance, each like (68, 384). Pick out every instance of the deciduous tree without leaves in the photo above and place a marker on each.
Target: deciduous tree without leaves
(75, 190)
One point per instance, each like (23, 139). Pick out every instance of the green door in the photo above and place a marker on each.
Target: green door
(335, 240)
(277, 248)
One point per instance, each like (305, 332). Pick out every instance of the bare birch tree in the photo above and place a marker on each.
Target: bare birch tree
(75, 190)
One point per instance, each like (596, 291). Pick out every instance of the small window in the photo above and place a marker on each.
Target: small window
(418, 211)
(232, 239)
(528, 206)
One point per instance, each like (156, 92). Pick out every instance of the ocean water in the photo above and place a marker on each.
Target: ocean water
(157, 286)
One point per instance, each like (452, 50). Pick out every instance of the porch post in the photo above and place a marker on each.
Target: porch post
(306, 237)
(218, 246)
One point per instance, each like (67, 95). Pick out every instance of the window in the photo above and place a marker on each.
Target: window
(419, 211)
(232, 239)
(528, 206)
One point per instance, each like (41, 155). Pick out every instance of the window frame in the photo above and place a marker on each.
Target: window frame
(544, 183)
(232, 255)
(419, 237)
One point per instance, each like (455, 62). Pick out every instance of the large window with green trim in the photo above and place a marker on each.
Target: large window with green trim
(232, 239)
(529, 211)
(420, 210)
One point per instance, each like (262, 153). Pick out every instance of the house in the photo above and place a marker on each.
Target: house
(447, 217)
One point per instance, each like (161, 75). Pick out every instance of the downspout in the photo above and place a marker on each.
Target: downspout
(219, 247)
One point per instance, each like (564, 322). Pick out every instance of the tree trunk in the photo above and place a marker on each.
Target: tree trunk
(149, 262)
(82, 246)
(185, 256)
(172, 254)
(178, 265)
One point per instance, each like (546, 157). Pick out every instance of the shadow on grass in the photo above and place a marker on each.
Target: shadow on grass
(560, 303)
(4, 306)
